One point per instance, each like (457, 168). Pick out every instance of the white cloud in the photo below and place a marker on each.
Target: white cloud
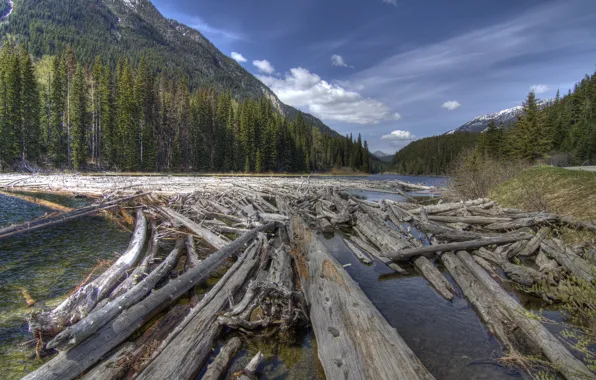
(451, 105)
(264, 66)
(399, 135)
(539, 88)
(302, 89)
(338, 60)
(392, 2)
(238, 57)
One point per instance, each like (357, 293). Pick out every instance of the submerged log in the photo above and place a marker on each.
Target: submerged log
(78, 305)
(37, 201)
(354, 340)
(562, 360)
(70, 364)
(54, 220)
(408, 253)
(222, 361)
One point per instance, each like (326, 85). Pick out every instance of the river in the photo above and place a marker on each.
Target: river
(448, 337)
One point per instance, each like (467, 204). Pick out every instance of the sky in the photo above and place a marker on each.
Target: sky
(398, 70)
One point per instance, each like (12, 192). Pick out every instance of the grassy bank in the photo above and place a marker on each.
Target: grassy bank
(556, 190)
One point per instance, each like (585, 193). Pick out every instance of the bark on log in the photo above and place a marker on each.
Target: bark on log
(435, 277)
(70, 364)
(354, 340)
(99, 318)
(78, 305)
(220, 364)
(407, 254)
(570, 367)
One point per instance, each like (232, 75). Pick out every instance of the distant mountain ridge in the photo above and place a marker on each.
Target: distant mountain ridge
(383, 156)
(503, 118)
(135, 29)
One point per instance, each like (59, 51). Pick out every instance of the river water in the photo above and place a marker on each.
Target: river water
(448, 337)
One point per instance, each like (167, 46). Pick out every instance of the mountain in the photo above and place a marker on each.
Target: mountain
(503, 118)
(385, 157)
(135, 29)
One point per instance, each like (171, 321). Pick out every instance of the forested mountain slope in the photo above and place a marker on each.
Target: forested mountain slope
(114, 29)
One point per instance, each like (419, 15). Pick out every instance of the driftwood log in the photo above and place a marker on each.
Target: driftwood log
(354, 340)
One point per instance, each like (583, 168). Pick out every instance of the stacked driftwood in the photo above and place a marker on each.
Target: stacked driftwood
(130, 321)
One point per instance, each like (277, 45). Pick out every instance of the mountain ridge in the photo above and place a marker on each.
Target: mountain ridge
(503, 118)
(136, 28)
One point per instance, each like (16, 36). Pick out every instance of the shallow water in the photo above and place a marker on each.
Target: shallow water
(48, 263)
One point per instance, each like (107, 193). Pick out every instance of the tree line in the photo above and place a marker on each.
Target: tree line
(59, 113)
(561, 133)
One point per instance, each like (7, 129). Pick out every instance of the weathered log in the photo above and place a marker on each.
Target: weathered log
(354, 341)
(570, 367)
(251, 367)
(574, 264)
(70, 364)
(376, 253)
(194, 339)
(128, 357)
(480, 298)
(533, 245)
(467, 219)
(521, 223)
(324, 225)
(99, 318)
(522, 275)
(220, 364)
(407, 254)
(544, 263)
(209, 237)
(78, 305)
(580, 224)
(437, 209)
(357, 252)
(432, 275)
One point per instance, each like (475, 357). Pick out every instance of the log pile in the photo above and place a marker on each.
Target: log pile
(283, 278)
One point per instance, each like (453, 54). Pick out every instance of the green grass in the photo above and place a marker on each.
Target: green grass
(556, 190)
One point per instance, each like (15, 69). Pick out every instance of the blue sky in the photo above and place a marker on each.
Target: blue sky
(396, 70)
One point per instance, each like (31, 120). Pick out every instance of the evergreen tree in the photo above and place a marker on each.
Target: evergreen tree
(78, 119)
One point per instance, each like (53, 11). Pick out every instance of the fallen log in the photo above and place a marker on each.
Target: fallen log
(195, 340)
(70, 364)
(521, 223)
(209, 237)
(251, 368)
(432, 275)
(220, 364)
(376, 253)
(354, 341)
(574, 264)
(99, 318)
(562, 360)
(437, 209)
(358, 253)
(408, 253)
(533, 245)
(467, 219)
(78, 305)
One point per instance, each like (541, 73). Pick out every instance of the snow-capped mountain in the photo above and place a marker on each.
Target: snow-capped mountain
(502, 118)
(383, 156)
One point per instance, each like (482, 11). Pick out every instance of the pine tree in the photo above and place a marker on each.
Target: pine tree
(57, 137)
(30, 135)
(531, 136)
(78, 119)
